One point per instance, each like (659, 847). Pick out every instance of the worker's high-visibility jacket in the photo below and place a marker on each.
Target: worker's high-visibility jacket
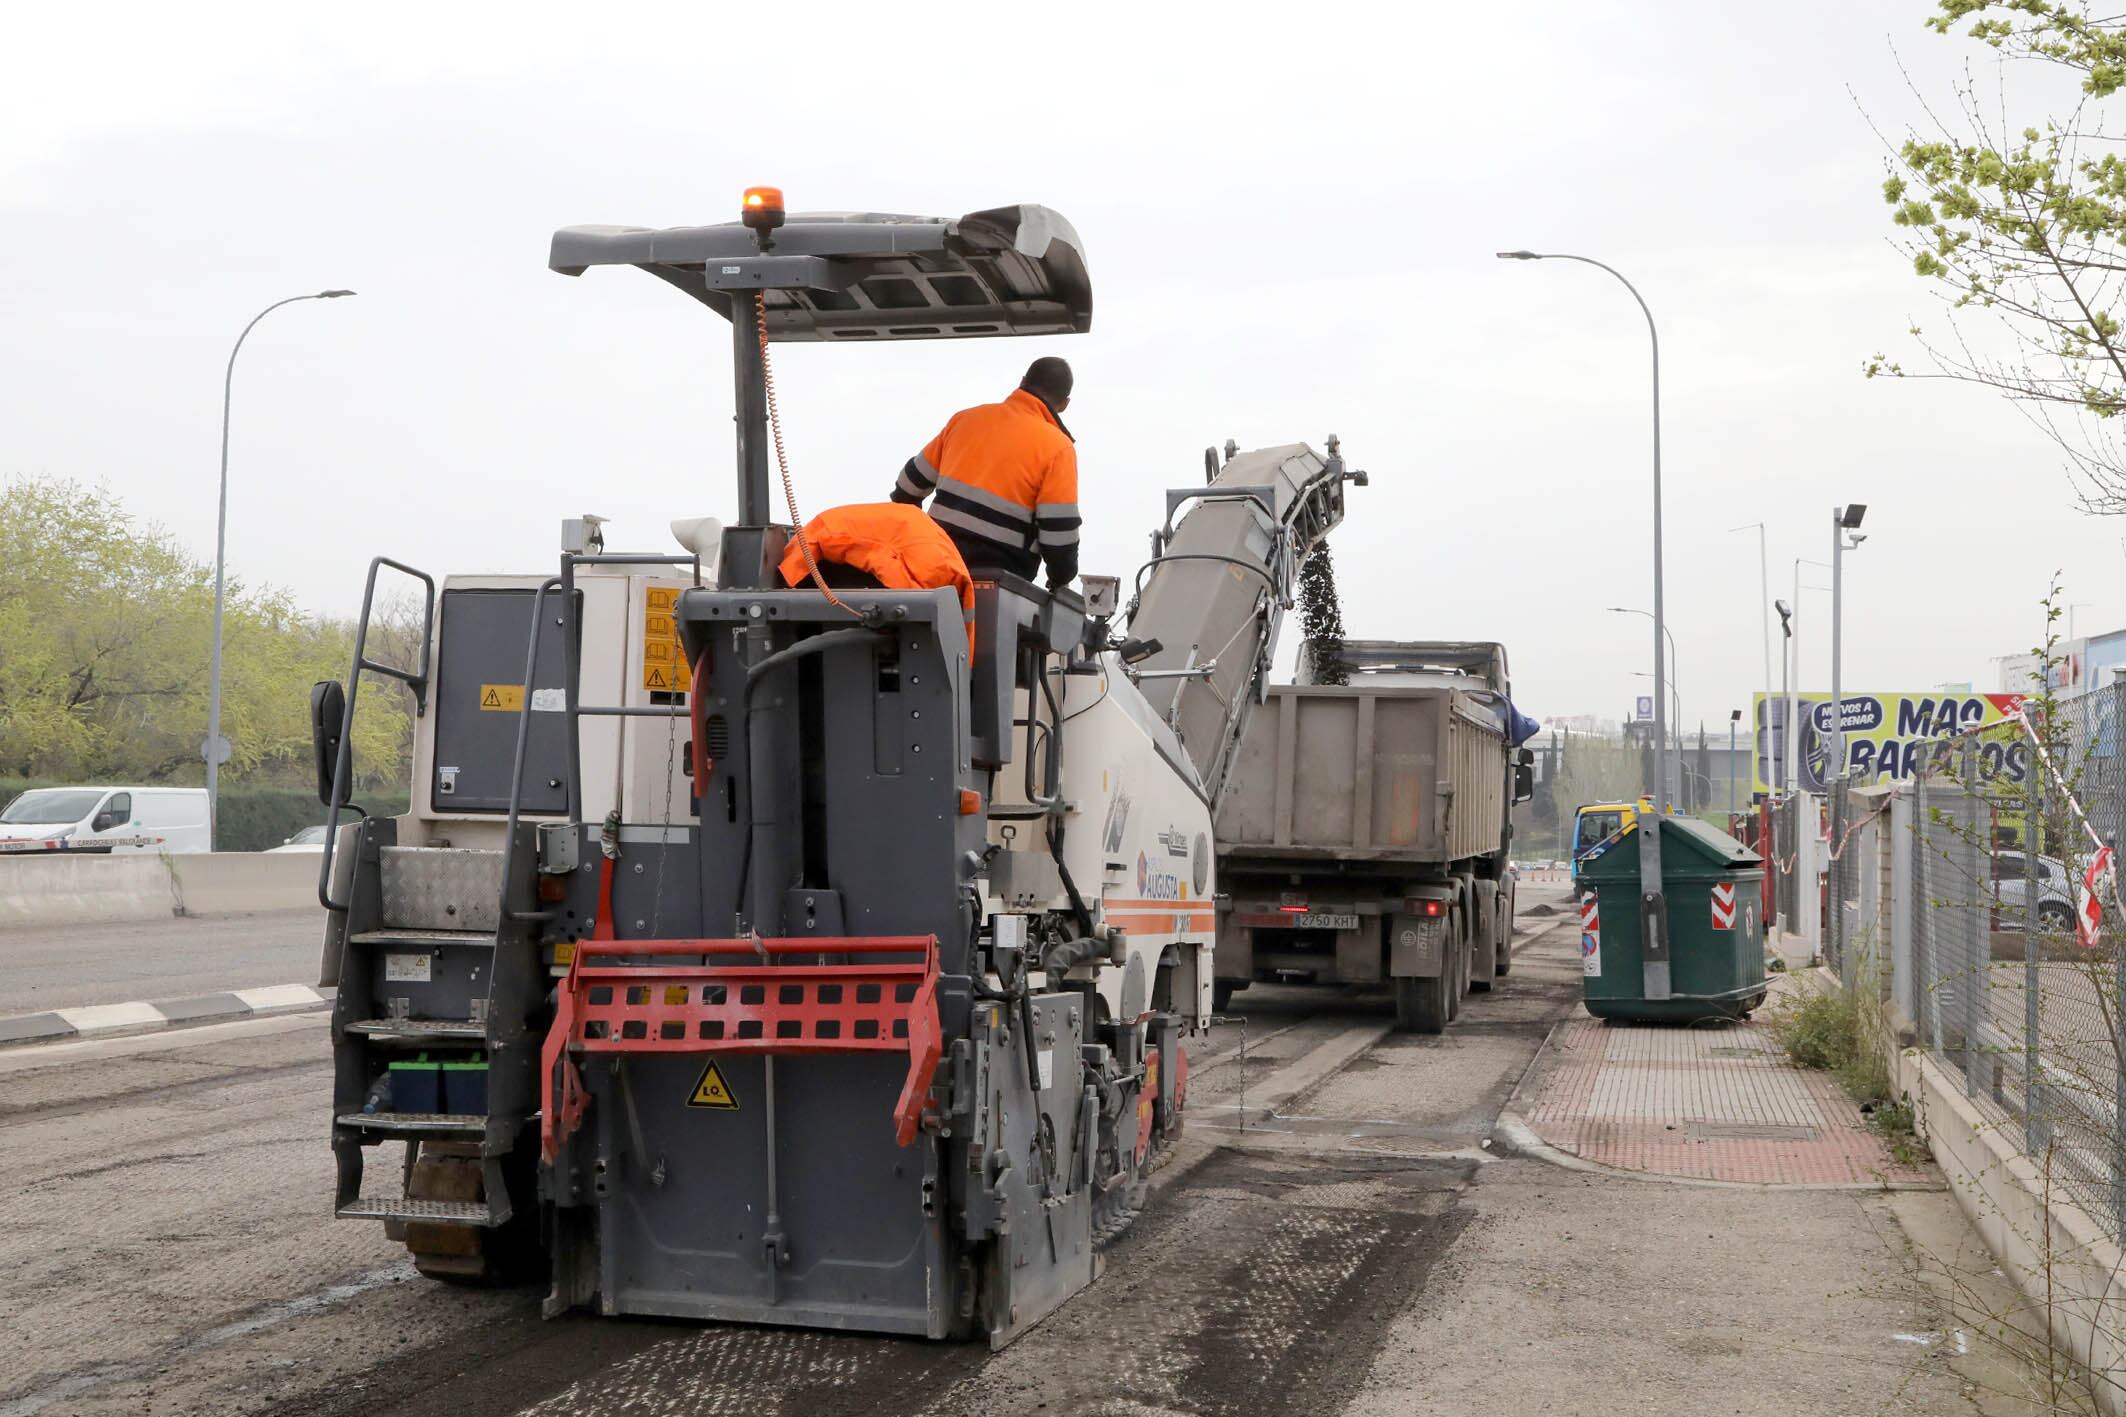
(1005, 478)
(896, 546)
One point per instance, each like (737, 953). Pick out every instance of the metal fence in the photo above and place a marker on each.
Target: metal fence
(1984, 855)
(1786, 827)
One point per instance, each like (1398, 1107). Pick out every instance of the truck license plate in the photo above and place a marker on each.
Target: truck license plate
(1319, 920)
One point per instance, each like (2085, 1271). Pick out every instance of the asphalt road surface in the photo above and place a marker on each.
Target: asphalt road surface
(65, 966)
(1338, 1232)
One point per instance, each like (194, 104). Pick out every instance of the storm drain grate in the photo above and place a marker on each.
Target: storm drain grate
(1751, 1131)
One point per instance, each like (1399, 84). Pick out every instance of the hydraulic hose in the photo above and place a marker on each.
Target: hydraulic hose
(1055, 823)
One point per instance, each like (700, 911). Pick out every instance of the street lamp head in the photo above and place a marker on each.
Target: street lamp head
(332, 294)
(1850, 517)
(1519, 256)
(1786, 617)
(1734, 715)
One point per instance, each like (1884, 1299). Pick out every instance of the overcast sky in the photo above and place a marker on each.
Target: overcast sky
(1289, 213)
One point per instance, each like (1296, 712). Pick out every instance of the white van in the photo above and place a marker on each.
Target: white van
(107, 820)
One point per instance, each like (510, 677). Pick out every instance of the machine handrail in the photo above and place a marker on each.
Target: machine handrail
(516, 767)
(417, 681)
(831, 1015)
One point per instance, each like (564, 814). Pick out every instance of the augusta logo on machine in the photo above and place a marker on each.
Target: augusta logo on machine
(1155, 884)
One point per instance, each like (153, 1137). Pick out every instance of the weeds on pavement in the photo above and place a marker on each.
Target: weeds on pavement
(1829, 1032)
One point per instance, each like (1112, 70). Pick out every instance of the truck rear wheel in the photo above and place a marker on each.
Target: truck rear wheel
(1421, 1004)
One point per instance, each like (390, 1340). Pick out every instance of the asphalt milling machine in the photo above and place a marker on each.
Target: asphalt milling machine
(779, 955)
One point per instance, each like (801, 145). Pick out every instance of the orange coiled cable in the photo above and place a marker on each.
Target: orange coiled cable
(782, 459)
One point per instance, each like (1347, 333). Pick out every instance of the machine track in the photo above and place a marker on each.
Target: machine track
(1117, 1206)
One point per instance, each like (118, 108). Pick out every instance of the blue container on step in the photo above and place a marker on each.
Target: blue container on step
(465, 1087)
(416, 1085)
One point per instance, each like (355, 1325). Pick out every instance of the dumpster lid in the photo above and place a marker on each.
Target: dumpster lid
(1688, 842)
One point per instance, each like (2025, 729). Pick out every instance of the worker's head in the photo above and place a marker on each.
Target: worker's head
(1048, 379)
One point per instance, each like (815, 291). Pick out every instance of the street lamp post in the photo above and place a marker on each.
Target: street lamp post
(1653, 906)
(1781, 779)
(1844, 520)
(1734, 720)
(216, 748)
(1793, 700)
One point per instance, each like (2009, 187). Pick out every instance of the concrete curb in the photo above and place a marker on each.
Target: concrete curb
(101, 1020)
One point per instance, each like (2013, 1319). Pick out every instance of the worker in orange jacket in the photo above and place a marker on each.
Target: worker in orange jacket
(882, 544)
(1005, 480)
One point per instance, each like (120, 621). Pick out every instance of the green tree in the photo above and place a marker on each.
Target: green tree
(2020, 229)
(1595, 769)
(105, 629)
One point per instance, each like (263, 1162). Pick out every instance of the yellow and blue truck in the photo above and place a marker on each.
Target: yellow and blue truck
(1597, 822)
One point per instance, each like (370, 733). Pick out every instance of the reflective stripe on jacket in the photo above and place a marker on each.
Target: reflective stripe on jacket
(1005, 481)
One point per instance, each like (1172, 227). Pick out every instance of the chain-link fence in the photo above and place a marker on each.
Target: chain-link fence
(1995, 964)
(1840, 884)
(1786, 828)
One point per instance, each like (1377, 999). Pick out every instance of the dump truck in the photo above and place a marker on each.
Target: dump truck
(793, 953)
(1363, 836)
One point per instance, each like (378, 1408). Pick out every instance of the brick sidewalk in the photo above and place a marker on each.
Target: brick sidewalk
(1711, 1103)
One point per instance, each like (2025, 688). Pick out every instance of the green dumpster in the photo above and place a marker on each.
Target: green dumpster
(1714, 887)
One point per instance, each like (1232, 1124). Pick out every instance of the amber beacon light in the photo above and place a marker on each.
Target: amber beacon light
(763, 208)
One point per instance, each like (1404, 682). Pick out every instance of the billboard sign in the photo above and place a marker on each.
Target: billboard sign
(2067, 675)
(1887, 736)
(1644, 709)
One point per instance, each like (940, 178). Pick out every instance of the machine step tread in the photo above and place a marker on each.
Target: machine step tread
(423, 1030)
(458, 1124)
(403, 1208)
(410, 936)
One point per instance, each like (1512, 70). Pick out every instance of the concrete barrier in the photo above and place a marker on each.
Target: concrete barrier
(233, 882)
(60, 888)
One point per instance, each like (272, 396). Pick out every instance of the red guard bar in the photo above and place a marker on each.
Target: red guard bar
(760, 1007)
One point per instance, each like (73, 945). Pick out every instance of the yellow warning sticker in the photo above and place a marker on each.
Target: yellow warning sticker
(503, 698)
(664, 662)
(713, 1091)
(565, 952)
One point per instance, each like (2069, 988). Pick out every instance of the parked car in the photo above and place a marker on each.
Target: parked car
(2055, 891)
(308, 839)
(107, 820)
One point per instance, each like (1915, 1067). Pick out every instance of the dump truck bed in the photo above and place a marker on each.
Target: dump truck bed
(1389, 772)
